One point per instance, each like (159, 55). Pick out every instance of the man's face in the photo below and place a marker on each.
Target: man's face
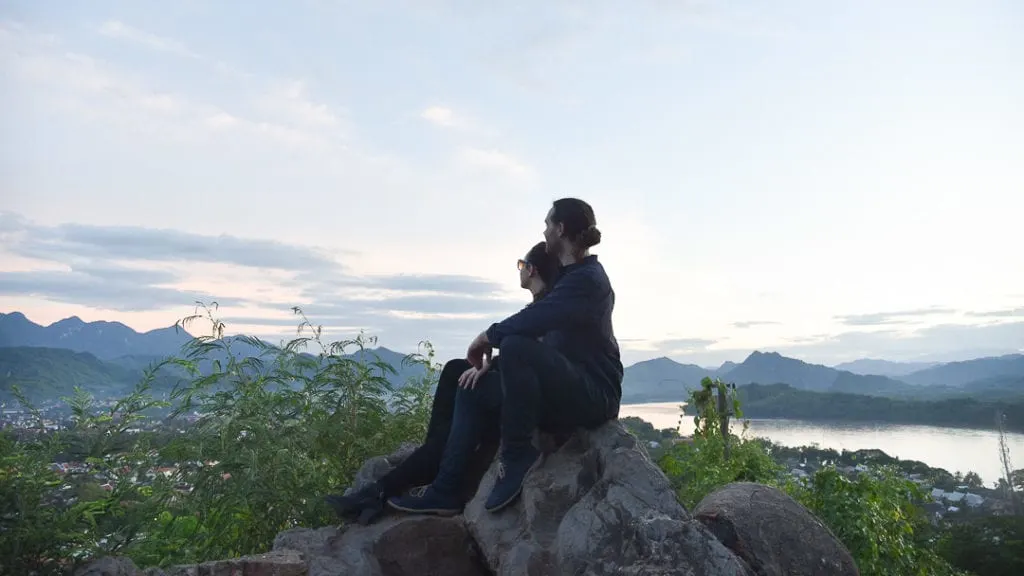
(552, 234)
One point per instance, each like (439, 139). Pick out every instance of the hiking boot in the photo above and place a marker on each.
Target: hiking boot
(426, 500)
(364, 505)
(512, 472)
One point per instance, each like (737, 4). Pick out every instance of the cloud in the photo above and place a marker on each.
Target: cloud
(445, 118)
(1006, 313)
(438, 304)
(669, 346)
(751, 323)
(940, 343)
(883, 318)
(141, 269)
(283, 113)
(399, 332)
(122, 31)
(104, 287)
(495, 160)
(446, 283)
(68, 243)
(290, 101)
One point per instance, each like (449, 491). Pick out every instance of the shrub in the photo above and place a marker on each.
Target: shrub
(274, 430)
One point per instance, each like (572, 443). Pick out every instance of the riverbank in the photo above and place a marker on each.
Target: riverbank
(783, 401)
(952, 449)
(955, 496)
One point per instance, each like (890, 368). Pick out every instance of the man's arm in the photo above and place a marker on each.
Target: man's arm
(569, 301)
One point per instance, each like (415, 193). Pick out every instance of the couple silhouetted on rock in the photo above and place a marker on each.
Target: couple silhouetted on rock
(559, 369)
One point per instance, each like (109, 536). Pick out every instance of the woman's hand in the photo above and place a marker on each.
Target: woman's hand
(472, 375)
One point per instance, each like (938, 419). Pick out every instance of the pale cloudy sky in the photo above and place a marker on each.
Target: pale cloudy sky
(827, 179)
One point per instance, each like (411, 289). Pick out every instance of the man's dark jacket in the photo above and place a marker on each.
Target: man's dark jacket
(575, 318)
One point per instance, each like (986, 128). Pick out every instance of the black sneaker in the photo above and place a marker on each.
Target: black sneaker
(364, 505)
(512, 472)
(426, 500)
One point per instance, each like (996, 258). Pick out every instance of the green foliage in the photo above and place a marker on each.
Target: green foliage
(699, 467)
(990, 546)
(877, 515)
(264, 436)
(35, 535)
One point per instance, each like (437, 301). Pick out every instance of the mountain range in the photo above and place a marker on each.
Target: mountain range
(109, 355)
(665, 380)
(109, 358)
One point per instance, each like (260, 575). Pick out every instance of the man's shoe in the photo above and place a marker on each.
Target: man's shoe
(426, 500)
(364, 505)
(512, 472)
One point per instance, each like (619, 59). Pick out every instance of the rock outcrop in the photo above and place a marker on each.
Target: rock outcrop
(772, 533)
(393, 546)
(596, 506)
(282, 563)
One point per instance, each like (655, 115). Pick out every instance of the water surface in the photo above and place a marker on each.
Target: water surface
(955, 449)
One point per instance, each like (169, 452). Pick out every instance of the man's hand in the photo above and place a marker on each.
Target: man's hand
(479, 349)
(471, 376)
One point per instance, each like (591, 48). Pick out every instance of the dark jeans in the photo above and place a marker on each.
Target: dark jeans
(421, 467)
(535, 384)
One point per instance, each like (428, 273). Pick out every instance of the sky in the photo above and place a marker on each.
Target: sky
(830, 180)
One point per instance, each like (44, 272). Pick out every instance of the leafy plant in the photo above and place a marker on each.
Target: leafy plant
(264, 432)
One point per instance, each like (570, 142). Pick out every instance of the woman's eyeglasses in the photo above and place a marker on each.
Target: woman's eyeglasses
(522, 264)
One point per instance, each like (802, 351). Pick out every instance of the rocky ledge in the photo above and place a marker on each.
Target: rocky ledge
(597, 505)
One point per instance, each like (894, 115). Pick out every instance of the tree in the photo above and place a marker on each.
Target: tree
(973, 480)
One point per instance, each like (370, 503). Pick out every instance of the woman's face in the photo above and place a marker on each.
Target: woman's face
(525, 271)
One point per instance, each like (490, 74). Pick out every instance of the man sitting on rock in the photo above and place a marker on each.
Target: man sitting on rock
(573, 377)
(538, 270)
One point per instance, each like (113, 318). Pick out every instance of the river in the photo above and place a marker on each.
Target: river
(950, 448)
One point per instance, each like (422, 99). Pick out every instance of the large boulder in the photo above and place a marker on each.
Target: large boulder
(597, 505)
(394, 546)
(773, 533)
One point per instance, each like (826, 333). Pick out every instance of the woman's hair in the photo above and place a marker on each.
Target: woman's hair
(545, 264)
(578, 220)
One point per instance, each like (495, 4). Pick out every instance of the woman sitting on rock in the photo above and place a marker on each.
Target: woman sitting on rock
(537, 273)
(573, 379)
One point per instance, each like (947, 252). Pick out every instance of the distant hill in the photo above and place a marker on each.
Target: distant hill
(660, 380)
(773, 368)
(49, 373)
(958, 374)
(725, 368)
(782, 401)
(996, 387)
(104, 340)
(665, 380)
(873, 367)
